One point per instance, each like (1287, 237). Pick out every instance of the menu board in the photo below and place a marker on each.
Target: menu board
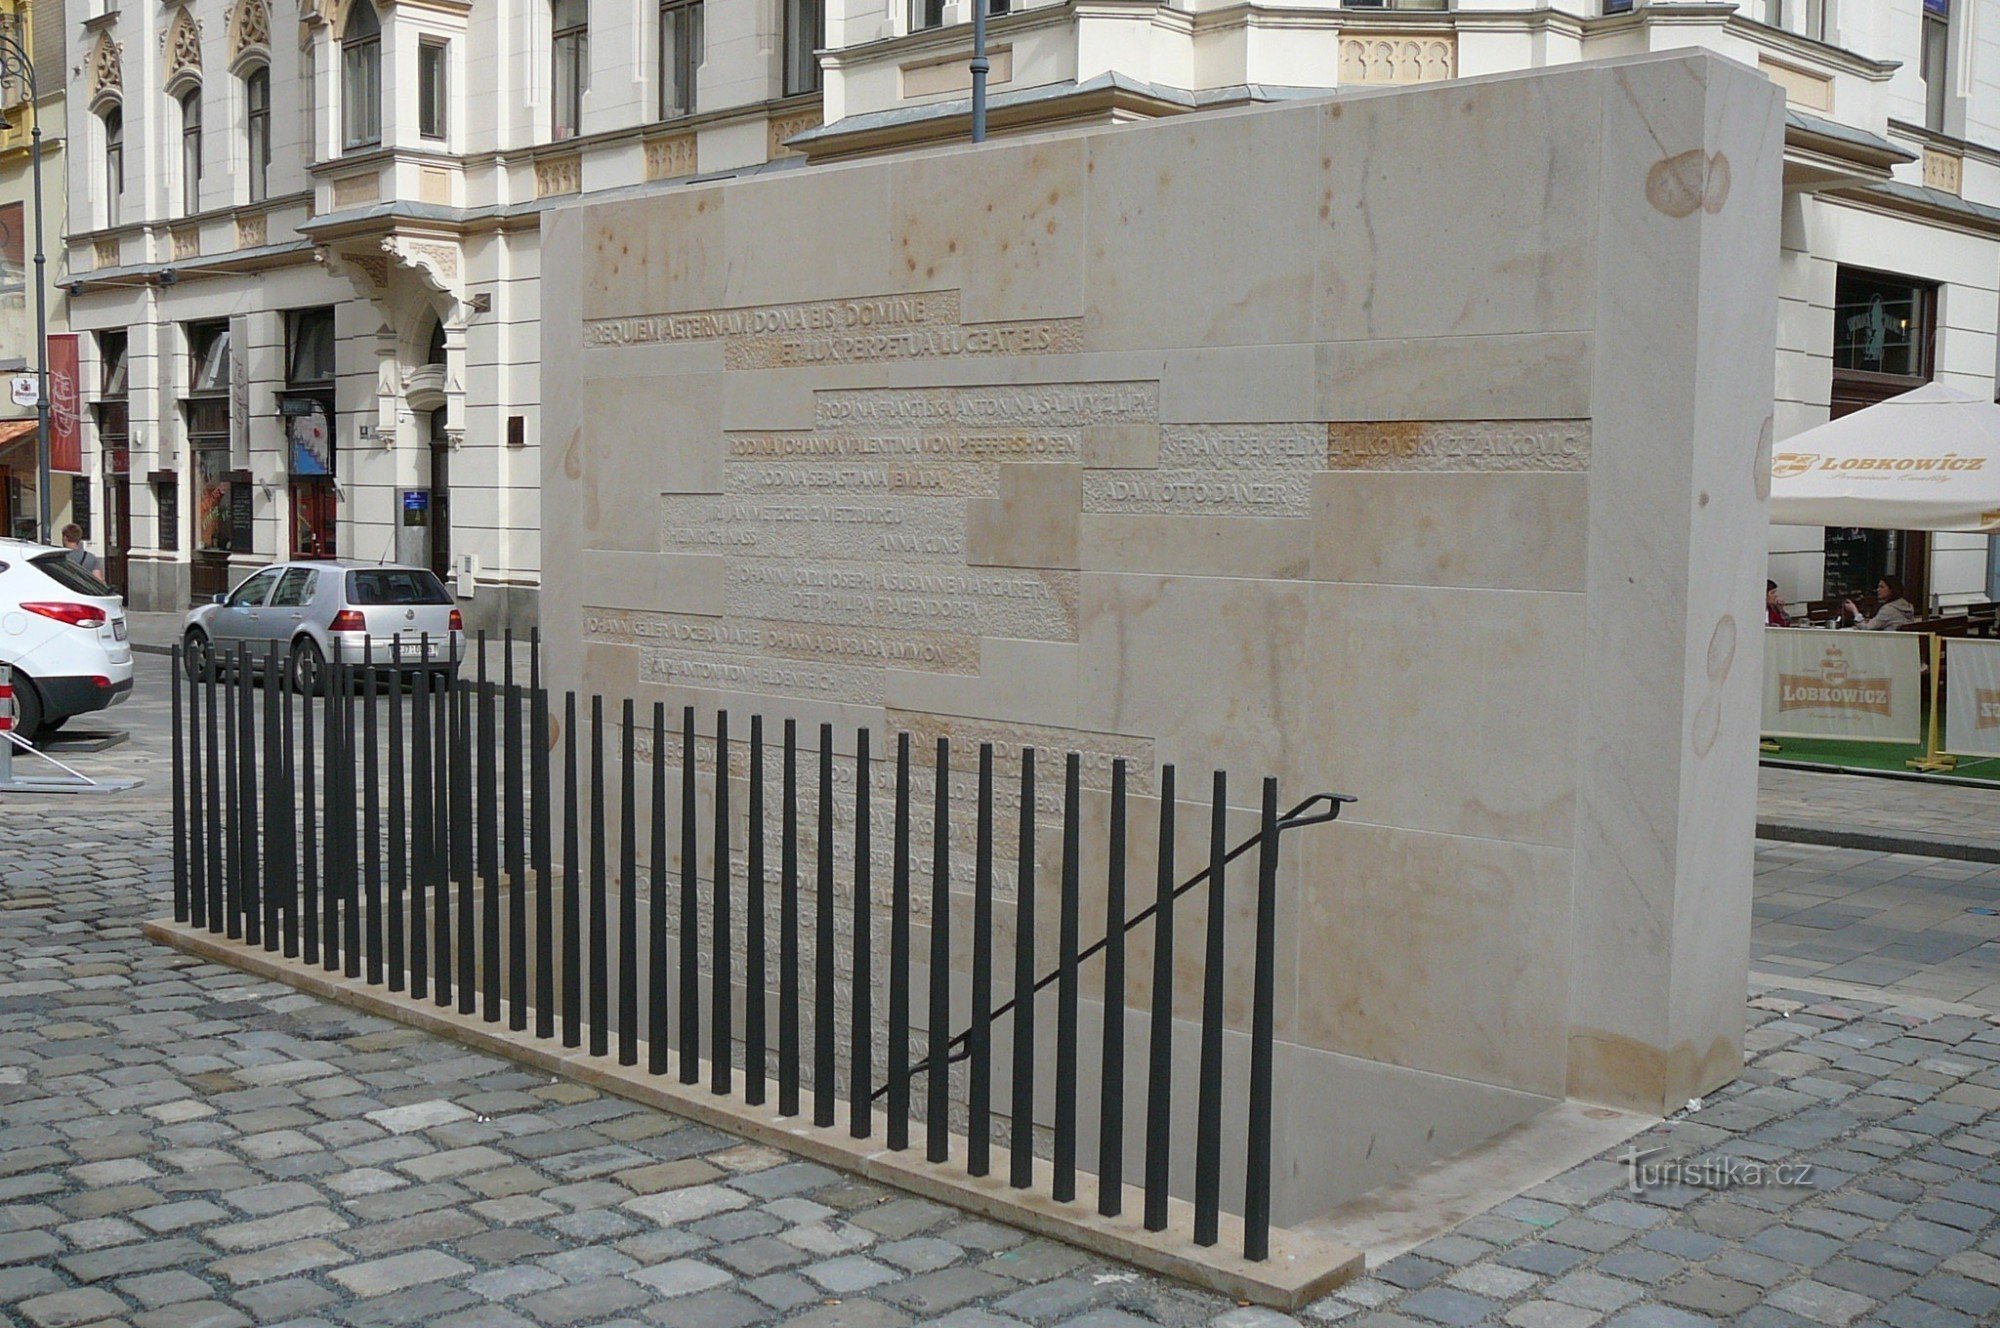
(240, 516)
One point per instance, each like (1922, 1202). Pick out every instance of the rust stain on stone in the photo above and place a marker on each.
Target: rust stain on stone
(1689, 181)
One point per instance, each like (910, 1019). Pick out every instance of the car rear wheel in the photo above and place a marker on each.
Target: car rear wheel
(197, 654)
(308, 667)
(27, 709)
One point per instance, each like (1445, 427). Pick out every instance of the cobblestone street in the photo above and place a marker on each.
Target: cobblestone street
(184, 1147)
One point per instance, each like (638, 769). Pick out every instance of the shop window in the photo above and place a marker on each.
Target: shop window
(206, 407)
(1882, 325)
(306, 406)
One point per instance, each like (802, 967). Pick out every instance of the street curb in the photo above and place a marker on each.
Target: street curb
(1879, 841)
(1302, 1267)
(138, 649)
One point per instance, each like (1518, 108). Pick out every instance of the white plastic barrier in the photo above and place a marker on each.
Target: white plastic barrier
(1859, 686)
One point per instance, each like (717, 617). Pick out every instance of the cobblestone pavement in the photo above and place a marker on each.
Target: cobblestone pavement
(184, 1147)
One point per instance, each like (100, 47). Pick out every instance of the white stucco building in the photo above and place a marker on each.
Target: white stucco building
(311, 239)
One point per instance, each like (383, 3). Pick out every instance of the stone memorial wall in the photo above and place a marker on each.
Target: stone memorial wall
(1406, 445)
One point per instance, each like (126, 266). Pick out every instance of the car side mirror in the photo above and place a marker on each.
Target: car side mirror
(217, 599)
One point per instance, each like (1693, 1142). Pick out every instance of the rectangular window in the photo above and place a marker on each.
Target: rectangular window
(680, 56)
(1935, 62)
(570, 60)
(13, 249)
(432, 87)
(257, 119)
(310, 339)
(1881, 325)
(926, 14)
(111, 353)
(361, 92)
(805, 34)
(191, 153)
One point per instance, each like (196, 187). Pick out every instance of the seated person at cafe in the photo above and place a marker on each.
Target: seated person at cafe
(1774, 606)
(1892, 611)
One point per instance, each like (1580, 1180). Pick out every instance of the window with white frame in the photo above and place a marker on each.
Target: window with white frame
(433, 87)
(361, 77)
(680, 56)
(114, 162)
(257, 130)
(805, 34)
(190, 104)
(570, 61)
(1935, 62)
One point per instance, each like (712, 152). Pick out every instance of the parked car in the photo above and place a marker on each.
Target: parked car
(62, 632)
(330, 610)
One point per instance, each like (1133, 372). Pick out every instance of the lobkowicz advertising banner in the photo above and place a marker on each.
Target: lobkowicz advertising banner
(1972, 697)
(65, 403)
(1866, 686)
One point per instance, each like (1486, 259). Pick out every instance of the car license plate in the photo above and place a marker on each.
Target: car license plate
(118, 629)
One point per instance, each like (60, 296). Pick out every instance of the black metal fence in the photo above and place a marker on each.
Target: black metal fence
(401, 829)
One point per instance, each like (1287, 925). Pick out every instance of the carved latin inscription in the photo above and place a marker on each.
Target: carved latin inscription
(1479, 445)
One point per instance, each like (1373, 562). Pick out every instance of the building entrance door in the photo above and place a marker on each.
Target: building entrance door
(440, 497)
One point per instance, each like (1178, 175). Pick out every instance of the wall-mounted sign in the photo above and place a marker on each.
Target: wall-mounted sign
(22, 391)
(65, 405)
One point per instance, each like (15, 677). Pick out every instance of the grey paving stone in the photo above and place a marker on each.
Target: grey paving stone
(935, 1293)
(1448, 1306)
(721, 1308)
(380, 1277)
(682, 1277)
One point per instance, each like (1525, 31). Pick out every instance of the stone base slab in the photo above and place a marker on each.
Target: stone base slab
(1301, 1268)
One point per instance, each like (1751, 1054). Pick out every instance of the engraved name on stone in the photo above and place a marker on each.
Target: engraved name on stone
(1481, 445)
(862, 330)
(1039, 405)
(1035, 605)
(934, 652)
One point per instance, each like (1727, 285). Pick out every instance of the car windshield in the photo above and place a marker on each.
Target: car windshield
(395, 585)
(67, 573)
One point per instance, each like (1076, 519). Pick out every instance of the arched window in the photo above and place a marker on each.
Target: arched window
(257, 125)
(114, 163)
(571, 64)
(191, 151)
(361, 77)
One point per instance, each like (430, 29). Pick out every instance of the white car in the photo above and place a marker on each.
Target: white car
(62, 632)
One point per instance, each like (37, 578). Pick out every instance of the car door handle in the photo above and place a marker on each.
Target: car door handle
(298, 617)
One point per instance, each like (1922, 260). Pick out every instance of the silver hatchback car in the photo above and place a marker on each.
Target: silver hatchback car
(330, 610)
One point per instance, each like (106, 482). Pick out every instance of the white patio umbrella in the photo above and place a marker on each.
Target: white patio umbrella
(1926, 460)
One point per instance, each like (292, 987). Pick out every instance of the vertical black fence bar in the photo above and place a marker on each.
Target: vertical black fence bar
(788, 934)
(330, 877)
(423, 860)
(517, 838)
(371, 820)
(690, 920)
(721, 1032)
(465, 845)
(350, 706)
(232, 902)
(398, 839)
(489, 849)
(246, 701)
(288, 819)
(657, 1029)
(572, 962)
(180, 794)
(628, 891)
(979, 1034)
(937, 1032)
(1263, 998)
(823, 1063)
(1208, 1093)
(214, 798)
(1159, 1060)
(599, 996)
(1111, 1071)
(1021, 1111)
(899, 957)
(309, 831)
(1064, 1188)
(538, 778)
(199, 796)
(753, 927)
(277, 799)
(444, 852)
(861, 1015)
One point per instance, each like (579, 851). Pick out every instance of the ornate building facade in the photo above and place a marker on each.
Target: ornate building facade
(304, 243)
